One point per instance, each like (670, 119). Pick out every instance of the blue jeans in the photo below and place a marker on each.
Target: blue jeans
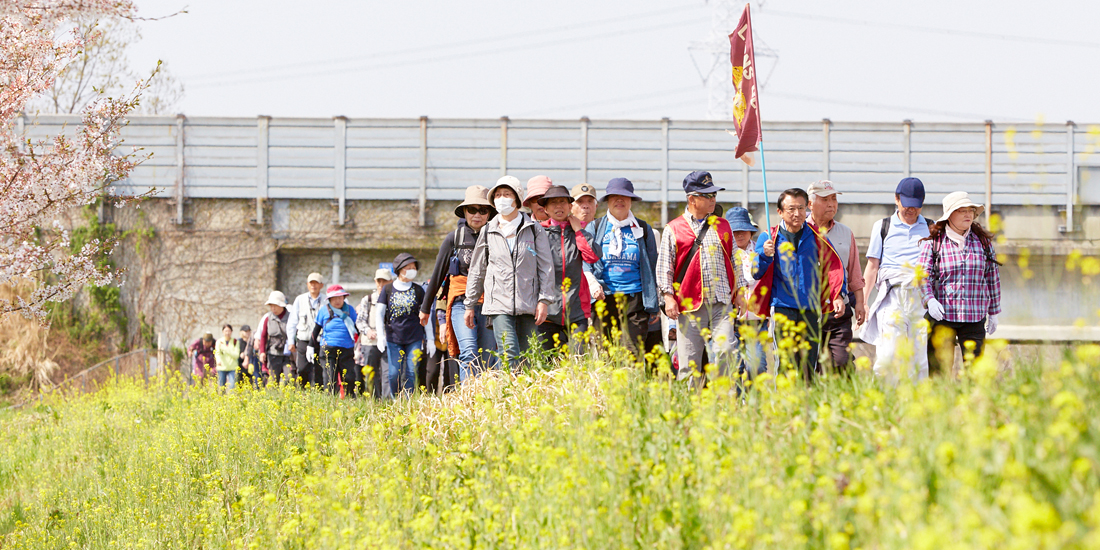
(227, 378)
(475, 345)
(513, 334)
(403, 360)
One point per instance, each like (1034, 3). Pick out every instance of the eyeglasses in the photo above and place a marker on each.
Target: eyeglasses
(471, 210)
(705, 195)
(794, 209)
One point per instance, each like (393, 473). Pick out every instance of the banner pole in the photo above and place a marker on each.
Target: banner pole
(764, 175)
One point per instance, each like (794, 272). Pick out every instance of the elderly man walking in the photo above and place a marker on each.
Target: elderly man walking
(303, 313)
(697, 278)
(895, 321)
(837, 330)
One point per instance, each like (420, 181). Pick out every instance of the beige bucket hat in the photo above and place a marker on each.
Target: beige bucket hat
(957, 200)
(383, 273)
(476, 195)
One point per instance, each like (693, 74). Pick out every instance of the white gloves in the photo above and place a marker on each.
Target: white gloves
(935, 309)
(991, 324)
(431, 347)
(382, 345)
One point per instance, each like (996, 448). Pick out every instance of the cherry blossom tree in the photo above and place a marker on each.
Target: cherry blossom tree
(43, 181)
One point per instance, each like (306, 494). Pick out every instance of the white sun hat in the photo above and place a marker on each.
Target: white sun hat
(957, 200)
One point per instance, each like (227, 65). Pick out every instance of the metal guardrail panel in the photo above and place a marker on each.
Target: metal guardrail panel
(382, 158)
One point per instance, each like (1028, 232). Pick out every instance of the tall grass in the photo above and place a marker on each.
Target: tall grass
(588, 455)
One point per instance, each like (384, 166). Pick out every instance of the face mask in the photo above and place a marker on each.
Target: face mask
(410, 274)
(504, 205)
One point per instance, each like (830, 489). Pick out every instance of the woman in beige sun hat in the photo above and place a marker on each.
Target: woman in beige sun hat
(962, 289)
(472, 347)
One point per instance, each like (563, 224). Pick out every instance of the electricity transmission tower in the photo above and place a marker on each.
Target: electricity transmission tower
(711, 57)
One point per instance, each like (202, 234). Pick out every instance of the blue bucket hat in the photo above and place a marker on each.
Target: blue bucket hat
(911, 192)
(700, 181)
(622, 187)
(740, 220)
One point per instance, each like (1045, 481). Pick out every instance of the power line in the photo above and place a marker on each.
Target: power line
(627, 99)
(918, 28)
(900, 108)
(439, 58)
(437, 47)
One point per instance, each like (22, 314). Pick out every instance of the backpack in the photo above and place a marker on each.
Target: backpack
(353, 331)
(276, 334)
(455, 265)
(884, 229)
(987, 249)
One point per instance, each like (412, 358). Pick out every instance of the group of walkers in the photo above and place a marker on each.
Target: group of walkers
(539, 272)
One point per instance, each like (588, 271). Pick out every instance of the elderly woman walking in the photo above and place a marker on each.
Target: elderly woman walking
(334, 329)
(511, 267)
(472, 346)
(400, 333)
(626, 270)
(751, 328)
(962, 289)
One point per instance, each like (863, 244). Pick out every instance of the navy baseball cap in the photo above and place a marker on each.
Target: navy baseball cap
(911, 193)
(700, 181)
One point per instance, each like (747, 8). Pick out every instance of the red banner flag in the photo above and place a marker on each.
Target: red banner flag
(746, 109)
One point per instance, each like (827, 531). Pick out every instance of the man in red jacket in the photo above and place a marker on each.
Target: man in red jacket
(697, 277)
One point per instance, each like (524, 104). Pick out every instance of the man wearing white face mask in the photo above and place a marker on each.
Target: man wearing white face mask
(511, 266)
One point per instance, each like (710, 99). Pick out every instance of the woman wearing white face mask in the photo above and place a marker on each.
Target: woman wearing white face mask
(511, 267)
(401, 335)
(963, 288)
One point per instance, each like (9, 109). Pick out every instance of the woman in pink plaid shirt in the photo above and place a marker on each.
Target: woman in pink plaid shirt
(963, 288)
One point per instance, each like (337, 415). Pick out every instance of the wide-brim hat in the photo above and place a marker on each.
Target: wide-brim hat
(383, 273)
(276, 298)
(740, 220)
(537, 187)
(511, 182)
(555, 192)
(700, 181)
(957, 200)
(403, 259)
(334, 291)
(621, 187)
(476, 195)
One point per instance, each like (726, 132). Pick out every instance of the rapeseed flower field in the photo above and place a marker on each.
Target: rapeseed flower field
(585, 455)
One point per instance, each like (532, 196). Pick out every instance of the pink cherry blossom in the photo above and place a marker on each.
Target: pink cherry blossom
(41, 181)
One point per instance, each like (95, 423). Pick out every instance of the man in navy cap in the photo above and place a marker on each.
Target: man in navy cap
(697, 278)
(895, 321)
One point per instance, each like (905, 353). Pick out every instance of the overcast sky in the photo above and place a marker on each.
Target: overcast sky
(934, 60)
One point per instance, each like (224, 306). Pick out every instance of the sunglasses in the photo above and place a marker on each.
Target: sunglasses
(478, 210)
(706, 195)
